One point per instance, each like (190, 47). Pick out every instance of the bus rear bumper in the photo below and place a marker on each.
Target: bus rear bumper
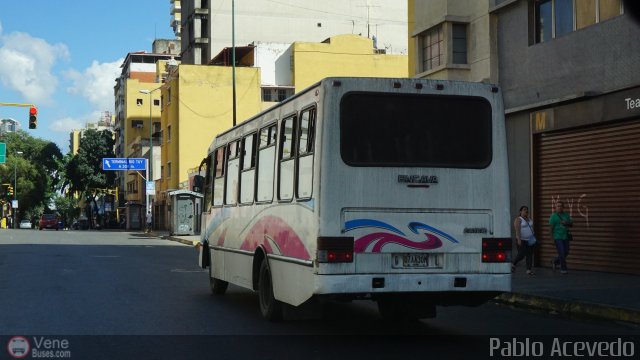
(413, 283)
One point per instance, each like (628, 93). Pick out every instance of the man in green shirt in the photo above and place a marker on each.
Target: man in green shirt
(559, 223)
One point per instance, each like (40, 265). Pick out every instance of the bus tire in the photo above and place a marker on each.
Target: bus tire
(218, 287)
(270, 308)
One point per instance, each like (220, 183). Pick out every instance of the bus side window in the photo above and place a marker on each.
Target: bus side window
(233, 172)
(248, 169)
(266, 163)
(306, 138)
(287, 159)
(208, 183)
(218, 182)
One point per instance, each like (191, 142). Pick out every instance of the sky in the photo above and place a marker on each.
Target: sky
(64, 56)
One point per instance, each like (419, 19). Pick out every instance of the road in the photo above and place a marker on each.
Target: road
(78, 283)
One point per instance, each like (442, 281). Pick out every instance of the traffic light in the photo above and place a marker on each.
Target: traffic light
(33, 117)
(10, 191)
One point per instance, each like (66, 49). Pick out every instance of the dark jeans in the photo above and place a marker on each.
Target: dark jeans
(524, 251)
(563, 251)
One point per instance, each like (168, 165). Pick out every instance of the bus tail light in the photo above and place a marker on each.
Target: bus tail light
(496, 250)
(335, 249)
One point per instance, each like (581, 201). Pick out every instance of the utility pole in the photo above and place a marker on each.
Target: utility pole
(369, 6)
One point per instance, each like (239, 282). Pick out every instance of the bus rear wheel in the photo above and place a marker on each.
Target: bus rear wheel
(218, 287)
(270, 308)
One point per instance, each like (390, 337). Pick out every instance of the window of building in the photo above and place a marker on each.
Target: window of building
(168, 133)
(432, 45)
(169, 169)
(276, 94)
(138, 124)
(282, 94)
(459, 36)
(554, 18)
(139, 102)
(156, 102)
(266, 95)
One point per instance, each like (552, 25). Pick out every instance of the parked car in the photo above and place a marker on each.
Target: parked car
(25, 224)
(48, 221)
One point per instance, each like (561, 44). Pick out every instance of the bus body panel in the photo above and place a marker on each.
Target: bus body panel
(438, 214)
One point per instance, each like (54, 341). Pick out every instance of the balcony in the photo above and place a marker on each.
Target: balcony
(175, 7)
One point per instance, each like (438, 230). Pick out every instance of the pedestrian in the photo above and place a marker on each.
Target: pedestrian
(149, 221)
(523, 226)
(559, 223)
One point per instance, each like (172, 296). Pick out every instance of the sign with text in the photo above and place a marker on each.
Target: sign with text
(3, 153)
(124, 164)
(14, 204)
(151, 187)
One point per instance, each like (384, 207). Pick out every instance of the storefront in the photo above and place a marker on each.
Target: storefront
(587, 155)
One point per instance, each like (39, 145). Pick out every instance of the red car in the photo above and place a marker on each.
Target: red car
(48, 221)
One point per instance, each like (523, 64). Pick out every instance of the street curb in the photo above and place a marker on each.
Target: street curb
(186, 242)
(570, 308)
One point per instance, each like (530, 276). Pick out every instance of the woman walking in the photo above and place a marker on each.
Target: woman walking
(523, 226)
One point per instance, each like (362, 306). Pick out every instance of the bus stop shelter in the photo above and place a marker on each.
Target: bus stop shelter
(184, 214)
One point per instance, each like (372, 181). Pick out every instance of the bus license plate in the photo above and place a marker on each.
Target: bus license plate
(417, 261)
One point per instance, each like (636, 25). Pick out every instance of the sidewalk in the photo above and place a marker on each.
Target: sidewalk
(599, 295)
(605, 296)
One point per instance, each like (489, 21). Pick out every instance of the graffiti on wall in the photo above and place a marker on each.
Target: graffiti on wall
(579, 204)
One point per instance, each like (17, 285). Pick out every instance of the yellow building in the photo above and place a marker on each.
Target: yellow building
(197, 100)
(74, 141)
(343, 55)
(197, 106)
(141, 110)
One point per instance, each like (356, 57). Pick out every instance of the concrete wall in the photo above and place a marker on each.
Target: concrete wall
(286, 22)
(593, 60)
(424, 15)
(274, 61)
(599, 58)
(344, 55)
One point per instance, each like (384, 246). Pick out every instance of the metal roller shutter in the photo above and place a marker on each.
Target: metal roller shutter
(596, 173)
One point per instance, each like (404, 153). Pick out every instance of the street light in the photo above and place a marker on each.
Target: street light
(15, 187)
(150, 176)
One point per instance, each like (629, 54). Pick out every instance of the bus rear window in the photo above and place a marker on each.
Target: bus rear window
(404, 130)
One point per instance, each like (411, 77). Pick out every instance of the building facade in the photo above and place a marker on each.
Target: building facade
(137, 120)
(571, 87)
(9, 125)
(197, 106)
(206, 24)
(453, 40)
(571, 82)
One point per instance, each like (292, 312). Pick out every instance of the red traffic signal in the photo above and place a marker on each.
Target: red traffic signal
(33, 117)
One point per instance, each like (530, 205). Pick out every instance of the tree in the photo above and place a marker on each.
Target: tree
(67, 208)
(37, 169)
(84, 172)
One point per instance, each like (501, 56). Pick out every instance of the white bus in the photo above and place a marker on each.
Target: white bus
(394, 190)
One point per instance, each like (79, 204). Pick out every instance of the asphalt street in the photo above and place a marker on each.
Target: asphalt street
(79, 283)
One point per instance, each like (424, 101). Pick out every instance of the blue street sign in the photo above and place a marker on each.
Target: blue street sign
(124, 164)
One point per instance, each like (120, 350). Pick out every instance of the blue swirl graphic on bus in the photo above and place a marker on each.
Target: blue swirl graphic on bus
(366, 223)
(380, 239)
(414, 226)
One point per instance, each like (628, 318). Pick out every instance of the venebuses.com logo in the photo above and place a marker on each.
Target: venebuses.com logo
(39, 347)
(18, 347)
